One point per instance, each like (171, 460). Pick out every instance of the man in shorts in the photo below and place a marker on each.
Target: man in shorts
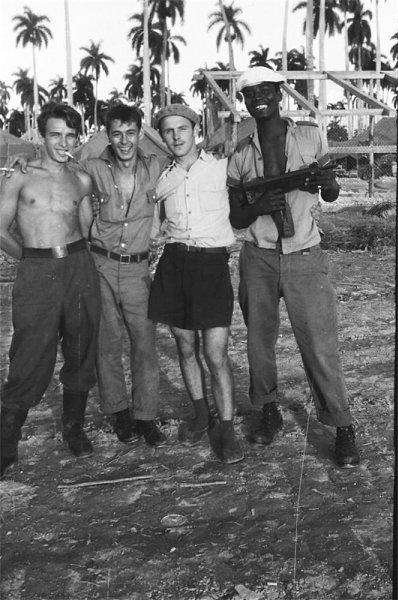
(56, 292)
(192, 291)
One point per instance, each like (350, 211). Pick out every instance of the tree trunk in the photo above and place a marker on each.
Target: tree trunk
(322, 82)
(35, 90)
(163, 73)
(95, 106)
(309, 36)
(68, 55)
(378, 56)
(231, 62)
(284, 49)
(146, 69)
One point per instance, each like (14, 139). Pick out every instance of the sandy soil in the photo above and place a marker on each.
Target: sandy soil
(283, 524)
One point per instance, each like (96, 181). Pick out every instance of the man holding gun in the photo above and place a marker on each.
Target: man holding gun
(281, 257)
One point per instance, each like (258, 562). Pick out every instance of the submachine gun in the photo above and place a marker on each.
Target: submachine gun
(286, 182)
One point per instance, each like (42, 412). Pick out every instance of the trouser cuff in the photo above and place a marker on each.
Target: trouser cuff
(258, 400)
(335, 419)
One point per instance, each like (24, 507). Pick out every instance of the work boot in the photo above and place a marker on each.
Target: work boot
(192, 431)
(189, 435)
(268, 426)
(224, 443)
(11, 433)
(123, 427)
(74, 405)
(151, 432)
(346, 452)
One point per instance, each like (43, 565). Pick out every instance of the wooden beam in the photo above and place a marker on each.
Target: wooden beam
(291, 75)
(301, 100)
(220, 95)
(351, 111)
(362, 149)
(352, 89)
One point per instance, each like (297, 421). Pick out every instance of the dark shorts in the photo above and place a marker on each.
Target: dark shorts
(192, 290)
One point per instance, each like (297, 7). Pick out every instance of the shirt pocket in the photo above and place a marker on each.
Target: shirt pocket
(173, 205)
(213, 196)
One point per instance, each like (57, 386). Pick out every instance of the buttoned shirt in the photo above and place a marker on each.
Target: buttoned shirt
(123, 227)
(193, 205)
(304, 145)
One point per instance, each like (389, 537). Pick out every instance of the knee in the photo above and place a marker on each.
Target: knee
(216, 360)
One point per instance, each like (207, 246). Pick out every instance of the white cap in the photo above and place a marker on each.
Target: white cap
(257, 75)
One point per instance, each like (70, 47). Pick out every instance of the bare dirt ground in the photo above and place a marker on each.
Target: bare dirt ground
(283, 524)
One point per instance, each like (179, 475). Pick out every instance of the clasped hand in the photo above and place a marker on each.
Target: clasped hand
(268, 202)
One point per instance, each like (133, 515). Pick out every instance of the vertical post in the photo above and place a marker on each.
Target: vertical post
(146, 69)
(371, 157)
(284, 51)
(68, 55)
(322, 82)
(309, 36)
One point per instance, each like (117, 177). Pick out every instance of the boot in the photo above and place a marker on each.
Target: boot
(346, 452)
(11, 425)
(224, 444)
(74, 405)
(268, 426)
(151, 432)
(124, 428)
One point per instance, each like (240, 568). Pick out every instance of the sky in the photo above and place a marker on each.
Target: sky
(107, 21)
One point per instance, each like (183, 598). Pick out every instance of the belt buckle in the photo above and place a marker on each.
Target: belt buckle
(59, 251)
(125, 259)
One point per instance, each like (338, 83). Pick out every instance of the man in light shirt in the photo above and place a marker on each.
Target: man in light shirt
(192, 291)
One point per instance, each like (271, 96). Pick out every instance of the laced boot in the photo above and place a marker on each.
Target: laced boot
(192, 431)
(268, 426)
(11, 426)
(346, 452)
(74, 405)
(151, 432)
(123, 426)
(224, 443)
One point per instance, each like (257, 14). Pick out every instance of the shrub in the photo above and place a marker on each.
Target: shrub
(351, 230)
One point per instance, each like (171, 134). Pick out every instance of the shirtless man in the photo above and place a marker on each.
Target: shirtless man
(56, 292)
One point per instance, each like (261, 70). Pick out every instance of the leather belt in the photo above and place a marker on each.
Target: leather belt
(125, 259)
(55, 251)
(186, 248)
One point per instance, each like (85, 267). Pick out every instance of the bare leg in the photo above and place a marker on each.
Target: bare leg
(215, 347)
(190, 364)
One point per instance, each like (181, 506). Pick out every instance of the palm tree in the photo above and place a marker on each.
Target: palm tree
(58, 90)
(332, 19)
(296, 61)
(378, 55)
(83, 95)
(394, 50)
(95, 61)
(155, 39)
(135, 80)
(359, 33)
(259, 58)
(24, 86)
(165, 10)
(231, 28)
(31, 30)
(4, 100)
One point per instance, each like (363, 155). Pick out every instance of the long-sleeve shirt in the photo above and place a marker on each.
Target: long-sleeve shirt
(304, 145)
(123, 227)
(193, 206)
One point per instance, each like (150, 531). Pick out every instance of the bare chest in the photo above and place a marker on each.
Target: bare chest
(274, 156)
(126, 185)
(57, 196)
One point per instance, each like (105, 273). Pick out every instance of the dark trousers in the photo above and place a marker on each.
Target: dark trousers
(52, 299)
(302, 280)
